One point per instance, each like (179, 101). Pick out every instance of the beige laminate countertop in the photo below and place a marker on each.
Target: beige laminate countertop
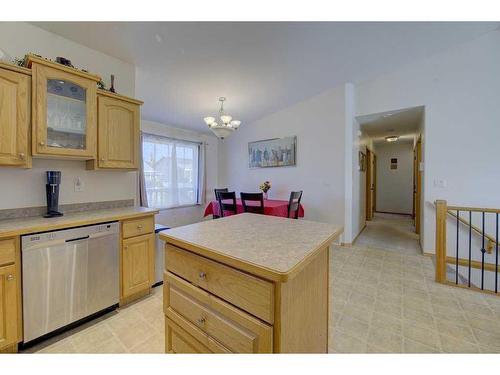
(16, 227)
(270, 246)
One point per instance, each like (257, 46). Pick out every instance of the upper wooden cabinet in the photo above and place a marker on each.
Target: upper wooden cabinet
(118, 119)
(15, 101)
(64, 110)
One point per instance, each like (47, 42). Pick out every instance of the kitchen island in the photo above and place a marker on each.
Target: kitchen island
(247, 284)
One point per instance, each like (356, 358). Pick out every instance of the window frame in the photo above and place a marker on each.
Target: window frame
(198, 161)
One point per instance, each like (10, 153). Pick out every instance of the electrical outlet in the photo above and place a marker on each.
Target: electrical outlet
(78, 184)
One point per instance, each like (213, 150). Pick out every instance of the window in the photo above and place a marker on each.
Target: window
(171, 172)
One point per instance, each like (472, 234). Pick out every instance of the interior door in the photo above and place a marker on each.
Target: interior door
(370, 184)
(417, 185)
(14, 119)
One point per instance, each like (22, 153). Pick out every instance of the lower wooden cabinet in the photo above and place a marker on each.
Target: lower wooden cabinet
(137, 264)
(8, 306)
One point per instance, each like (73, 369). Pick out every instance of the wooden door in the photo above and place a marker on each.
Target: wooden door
(119, 125)
(15, 101)
(137, 264)
(370, 184)
(8, 306)
(417, 188)
(65, 111)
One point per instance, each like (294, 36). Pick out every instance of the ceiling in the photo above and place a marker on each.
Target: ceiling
(404, 123)
(183, 67)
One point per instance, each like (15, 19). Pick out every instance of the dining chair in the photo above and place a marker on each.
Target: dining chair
(224, 196)
(294, 204)
(216, 191)
(253, 197)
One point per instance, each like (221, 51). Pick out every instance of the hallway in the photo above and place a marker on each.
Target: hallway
(390, 232)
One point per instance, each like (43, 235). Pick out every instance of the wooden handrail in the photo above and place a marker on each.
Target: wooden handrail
(491, 241)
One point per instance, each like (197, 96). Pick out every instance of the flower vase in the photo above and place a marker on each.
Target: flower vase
(265, 195)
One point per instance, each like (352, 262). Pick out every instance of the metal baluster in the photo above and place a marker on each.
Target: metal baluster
(496, 258)
(470, 242)
(483, 250)
(456, 264)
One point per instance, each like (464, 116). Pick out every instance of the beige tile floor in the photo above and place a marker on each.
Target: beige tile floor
(383, 301)
(390, 232)
(135, 328)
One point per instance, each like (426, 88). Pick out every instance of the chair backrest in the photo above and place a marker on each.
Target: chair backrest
(253, 197)
(294, 204)
(217, 191)
(222, 198)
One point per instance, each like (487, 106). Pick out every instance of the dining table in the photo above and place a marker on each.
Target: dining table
(272, 207)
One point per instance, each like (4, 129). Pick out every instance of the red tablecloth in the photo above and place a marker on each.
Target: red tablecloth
(272, 207)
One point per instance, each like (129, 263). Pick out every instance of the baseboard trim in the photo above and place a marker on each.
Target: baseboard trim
(427, 254)
(350, 244)
(394, 213)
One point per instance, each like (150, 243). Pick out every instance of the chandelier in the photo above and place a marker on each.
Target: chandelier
(227, 124)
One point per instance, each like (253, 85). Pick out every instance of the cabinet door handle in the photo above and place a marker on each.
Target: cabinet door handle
(203, 275)
(201, 321)
(139, 227)
(102, 159)
(42, 143)
(10, 277)
(22, 156)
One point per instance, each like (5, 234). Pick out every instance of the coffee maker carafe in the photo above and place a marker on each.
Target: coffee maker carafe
(52, 189)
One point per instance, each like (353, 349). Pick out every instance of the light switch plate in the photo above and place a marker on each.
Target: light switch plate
(440, 183)
(78, 184)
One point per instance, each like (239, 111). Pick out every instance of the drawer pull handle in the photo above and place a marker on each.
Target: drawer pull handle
(201, 321)
(203, 275)
(139, 227)
(10, 277)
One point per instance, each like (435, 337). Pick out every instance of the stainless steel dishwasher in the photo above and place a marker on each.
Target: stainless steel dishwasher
(68, 275)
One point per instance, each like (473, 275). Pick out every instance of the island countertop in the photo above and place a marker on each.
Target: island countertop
(269, 246)
(16, 227)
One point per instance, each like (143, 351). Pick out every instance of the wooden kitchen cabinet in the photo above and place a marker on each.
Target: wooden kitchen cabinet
(64, 111)
(15, 102)
(137, 266)
(118, 119)
(8, 307)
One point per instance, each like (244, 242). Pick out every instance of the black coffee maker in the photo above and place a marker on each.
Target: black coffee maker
(52, 189)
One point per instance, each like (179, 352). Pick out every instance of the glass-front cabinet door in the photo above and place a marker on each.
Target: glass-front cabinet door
(64, 118)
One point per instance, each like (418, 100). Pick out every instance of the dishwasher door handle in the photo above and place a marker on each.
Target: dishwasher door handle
(78, 238)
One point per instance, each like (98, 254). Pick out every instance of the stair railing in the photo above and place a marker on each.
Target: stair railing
(489, 244)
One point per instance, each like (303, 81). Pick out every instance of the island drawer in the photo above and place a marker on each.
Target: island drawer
(137, 227)
(189, 338)
(248, 292)
(232, 327)
(179, 341)
(7, 251)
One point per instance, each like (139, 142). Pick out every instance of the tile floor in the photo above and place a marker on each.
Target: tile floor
(390, 232)
(383, 301)
(135, 328)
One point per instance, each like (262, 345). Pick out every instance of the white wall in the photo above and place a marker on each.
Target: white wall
(319, 126)
(25, 188)
(394, 186)
(187, 215)
(459, 89)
